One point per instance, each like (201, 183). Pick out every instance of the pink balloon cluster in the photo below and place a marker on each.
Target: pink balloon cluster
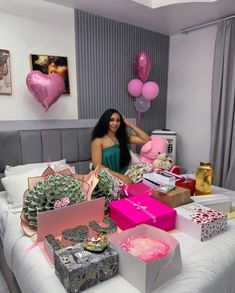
(143, 91)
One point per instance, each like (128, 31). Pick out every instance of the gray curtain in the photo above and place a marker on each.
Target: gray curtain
(222, 151)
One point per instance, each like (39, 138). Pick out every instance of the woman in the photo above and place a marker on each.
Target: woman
(109, 147)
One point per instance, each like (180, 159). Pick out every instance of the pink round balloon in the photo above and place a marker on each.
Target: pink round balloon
(135, 87)
(143, 65)
(150, 90)
(141, 104)
(46, 88)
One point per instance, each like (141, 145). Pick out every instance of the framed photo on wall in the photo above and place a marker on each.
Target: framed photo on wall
(5, 73)
(48, 64)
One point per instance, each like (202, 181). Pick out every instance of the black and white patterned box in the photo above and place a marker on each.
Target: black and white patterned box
(79, 269)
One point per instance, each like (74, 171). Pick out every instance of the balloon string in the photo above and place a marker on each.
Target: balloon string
(45, 137)
(138, 116)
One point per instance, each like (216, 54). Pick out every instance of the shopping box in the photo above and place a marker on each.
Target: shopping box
(199, 221)
(146, 276)
(142, 209)
(178, 196)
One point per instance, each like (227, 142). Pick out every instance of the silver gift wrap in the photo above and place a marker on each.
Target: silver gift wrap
(79, 269)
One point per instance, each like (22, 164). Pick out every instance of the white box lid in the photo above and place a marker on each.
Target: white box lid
(211, 199)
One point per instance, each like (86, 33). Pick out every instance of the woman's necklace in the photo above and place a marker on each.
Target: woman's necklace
(113, 139)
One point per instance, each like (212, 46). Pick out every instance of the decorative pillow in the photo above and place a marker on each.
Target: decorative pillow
(15, 170)
(16, 185)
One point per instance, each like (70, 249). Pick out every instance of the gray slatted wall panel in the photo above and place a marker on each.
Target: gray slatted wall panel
(106, 51)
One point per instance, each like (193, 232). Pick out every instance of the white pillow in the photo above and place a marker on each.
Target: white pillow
(14, 170)
(15, 186)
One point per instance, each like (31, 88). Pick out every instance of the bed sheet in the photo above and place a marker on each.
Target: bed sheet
(208, 267)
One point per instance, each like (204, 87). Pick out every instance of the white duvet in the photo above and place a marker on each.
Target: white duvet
(208, 267)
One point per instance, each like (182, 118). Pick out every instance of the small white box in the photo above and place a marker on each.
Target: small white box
(218, 202)
(199, 221)
(146, 276)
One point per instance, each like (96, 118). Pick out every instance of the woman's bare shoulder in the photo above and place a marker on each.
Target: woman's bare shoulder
(98, 141)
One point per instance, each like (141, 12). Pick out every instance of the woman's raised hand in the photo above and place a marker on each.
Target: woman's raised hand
(126, 121)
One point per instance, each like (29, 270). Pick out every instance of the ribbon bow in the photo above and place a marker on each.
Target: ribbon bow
(139, 206)
(61, 203)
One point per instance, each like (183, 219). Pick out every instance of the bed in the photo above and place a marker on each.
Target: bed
(208, 267)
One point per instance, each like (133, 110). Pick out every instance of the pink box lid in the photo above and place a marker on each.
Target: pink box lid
(141, 208)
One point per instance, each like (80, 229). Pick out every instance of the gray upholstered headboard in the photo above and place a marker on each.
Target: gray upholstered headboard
(40, 145)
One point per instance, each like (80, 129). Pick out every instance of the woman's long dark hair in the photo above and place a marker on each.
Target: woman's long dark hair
(101, 129)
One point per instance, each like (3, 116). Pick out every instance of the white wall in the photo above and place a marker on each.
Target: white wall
(27, 28)
(189, 94)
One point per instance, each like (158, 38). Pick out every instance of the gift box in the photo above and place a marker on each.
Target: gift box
(136, 189)
(142, 209)
(187, 183)
(199, 221)
(178, 196)
(79, 269)
(146, 276)
(218, 202)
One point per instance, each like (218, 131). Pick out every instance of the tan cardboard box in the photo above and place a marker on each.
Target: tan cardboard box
(174, 198)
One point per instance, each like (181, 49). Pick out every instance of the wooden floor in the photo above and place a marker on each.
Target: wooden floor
(3, 285)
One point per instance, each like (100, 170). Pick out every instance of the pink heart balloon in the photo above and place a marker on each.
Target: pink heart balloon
(143, 66)
(46, 88)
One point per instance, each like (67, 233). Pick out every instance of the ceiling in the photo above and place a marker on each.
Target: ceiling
(169, 20)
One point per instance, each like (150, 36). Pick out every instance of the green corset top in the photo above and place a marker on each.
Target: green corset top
(111, 158)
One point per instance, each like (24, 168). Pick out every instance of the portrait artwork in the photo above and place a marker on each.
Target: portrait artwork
(5, 73)
(48, 64)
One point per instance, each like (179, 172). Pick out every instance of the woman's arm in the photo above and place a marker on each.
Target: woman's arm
(141, 137)
(96, 157)
(96, 152)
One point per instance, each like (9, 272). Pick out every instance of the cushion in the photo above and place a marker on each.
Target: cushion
(14, 170)
(16, 185)
(16, 181)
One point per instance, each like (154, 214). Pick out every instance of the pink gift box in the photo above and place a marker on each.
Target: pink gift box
(142, 209)
(136, 189)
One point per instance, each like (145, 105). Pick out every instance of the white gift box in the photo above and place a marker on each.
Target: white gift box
(146, 276)
(218, 202)
(199, 221)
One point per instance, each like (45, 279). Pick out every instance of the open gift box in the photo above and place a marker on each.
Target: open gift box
(146, 276)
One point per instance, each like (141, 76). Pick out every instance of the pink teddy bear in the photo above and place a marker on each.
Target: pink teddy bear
(150, 151)
(153, 148)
